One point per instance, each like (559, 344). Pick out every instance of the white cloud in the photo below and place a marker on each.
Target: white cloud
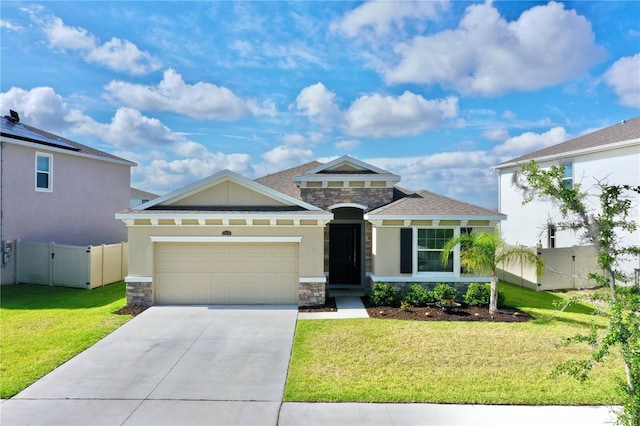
(486, 55)
(408, 114)
(443, 173)
(318, 104)
(116, 54)
(347, 144)
(624, 77)
(285, 156)
(9, 26)
(200, 100)
(529, 142)
(41, 107)
(376, 115)
(383, 17)
(161, 176)
(496, 134)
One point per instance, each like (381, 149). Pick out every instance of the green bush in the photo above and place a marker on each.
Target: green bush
(445, 292)
(480, 294)
(385, 294)
(417, 295)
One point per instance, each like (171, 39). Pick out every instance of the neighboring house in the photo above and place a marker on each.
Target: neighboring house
(291, 236)
(57, 190)
(139, 196)
(611, 154)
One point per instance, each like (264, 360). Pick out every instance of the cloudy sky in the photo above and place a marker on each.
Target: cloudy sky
(435, 91)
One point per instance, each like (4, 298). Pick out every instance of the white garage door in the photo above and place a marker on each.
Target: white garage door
(229, 273)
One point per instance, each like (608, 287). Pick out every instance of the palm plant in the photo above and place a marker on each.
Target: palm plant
(481, 253)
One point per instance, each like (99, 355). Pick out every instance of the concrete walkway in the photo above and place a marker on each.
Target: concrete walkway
(348, 307)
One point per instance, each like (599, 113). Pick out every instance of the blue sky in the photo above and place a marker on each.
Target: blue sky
(435, 91)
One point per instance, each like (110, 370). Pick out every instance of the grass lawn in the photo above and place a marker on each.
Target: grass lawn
(41, 327)
(371, 360)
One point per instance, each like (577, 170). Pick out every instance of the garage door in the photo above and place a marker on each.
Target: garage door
(230, 273)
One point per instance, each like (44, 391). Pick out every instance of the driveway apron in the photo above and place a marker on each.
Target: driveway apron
(171, 365)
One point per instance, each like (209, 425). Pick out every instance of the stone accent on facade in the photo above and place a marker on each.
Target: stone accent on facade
(312, 294)
(325, 197)
(368, 246)
(139, 293)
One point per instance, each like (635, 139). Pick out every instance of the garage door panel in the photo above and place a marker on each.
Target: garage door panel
(210, 273)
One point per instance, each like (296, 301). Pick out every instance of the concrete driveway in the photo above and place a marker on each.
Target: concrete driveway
(196, 365)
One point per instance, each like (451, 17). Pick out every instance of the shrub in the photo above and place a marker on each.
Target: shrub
(445, 292)
(479, 295)
(417, 295)
(385, 294)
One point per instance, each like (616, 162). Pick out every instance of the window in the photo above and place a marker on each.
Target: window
(44, 172)
(551, 236)
(430, 243)
(567, 175)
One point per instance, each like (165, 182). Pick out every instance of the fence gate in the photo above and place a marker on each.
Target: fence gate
(70, 266)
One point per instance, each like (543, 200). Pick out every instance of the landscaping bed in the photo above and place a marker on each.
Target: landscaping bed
(434, 313)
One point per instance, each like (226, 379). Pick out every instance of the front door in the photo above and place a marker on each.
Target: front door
(345, 258)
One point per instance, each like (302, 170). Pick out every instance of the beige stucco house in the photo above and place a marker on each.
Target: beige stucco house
(54, 189)
(291, 236)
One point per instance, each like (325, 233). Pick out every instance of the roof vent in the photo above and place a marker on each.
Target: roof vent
(623, 121)
(13, 117)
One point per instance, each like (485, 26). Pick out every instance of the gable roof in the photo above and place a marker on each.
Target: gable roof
(609, 137)
(164, 202)
(140, 194)
(428, 205)
(20, 133)
(346, 168)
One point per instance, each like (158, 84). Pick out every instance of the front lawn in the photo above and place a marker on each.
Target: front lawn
(378, 360)
(41, 327)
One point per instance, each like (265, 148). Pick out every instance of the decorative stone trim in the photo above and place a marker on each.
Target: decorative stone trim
(139, 293)
(312, 294)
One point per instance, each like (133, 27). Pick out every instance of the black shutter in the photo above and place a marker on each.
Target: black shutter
(406, 250)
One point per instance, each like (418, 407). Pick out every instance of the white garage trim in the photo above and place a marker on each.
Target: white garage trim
(313, 279)
(223, 239)
(129, 279)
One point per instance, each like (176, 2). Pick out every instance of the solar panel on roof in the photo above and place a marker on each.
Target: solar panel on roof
(19, 131)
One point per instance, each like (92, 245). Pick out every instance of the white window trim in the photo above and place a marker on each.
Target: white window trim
(50, 172)
(456, 254)
(568, 179)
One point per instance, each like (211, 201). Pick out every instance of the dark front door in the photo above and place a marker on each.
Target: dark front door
(345, 253)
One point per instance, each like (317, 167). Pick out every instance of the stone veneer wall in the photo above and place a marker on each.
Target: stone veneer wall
(139, 293)
(325, 197)
(312, 294)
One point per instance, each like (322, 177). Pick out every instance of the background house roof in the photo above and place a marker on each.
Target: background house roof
(428, 204)
(24, 132)
(143, 195)
(283, 181)
(626, 130)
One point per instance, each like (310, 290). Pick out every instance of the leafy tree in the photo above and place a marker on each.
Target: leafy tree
(602, 227)
(481, 253)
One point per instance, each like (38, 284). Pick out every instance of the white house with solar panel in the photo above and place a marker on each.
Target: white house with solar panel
(611, 154)
(53, 189)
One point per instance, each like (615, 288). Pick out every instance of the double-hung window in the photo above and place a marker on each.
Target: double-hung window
(429, 247)
(567, 175)
(44, 172)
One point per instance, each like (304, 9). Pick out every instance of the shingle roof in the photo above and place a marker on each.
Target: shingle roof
(283, 181)
(425, 203)
(6, 124)
(139, 193)
(624, 131)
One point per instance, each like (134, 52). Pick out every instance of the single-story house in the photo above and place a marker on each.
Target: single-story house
(291, 236)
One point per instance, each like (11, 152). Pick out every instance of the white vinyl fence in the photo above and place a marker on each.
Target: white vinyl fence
(565, 268)
(70, 266)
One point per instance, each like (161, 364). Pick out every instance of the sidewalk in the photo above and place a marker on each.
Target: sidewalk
(338, 414)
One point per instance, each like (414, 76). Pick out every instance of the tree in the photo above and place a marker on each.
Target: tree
(603, 227)
(481, 253)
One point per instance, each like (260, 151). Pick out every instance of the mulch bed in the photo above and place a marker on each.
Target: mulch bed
(330, 306)
(131, 310)
(434, 313)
